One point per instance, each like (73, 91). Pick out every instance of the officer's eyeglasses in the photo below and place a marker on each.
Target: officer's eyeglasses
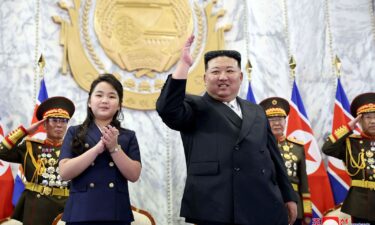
(368, 116)
(56, 120)
(275, 119)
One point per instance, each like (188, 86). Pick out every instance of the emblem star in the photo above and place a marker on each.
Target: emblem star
(308, 156)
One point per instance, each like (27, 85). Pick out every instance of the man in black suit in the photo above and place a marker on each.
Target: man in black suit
(235, 174)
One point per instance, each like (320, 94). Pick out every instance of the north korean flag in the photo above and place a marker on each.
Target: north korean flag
(338, 177)
(298, 126)
(6, 186)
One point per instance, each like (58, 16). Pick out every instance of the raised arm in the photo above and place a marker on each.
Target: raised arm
(185, 61)
(336, 142)
(172, 106)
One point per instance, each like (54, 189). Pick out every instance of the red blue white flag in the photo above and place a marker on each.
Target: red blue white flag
(43, 95)
(299, 127)
(250, 95)
(338, 177)
(6, 186)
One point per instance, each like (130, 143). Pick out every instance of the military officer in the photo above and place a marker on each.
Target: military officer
(357, 151)
(45, 194)
(292, 151)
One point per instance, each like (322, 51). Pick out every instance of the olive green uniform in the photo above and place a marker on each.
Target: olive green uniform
(358, 154)
(45, 194)
(292, 151)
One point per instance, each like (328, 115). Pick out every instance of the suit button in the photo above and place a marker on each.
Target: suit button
(93, 164)
(236, 148)
(111, 185)
(92, 185)
(236, 169)
(87, 145)
(111, 164)
(263, 171)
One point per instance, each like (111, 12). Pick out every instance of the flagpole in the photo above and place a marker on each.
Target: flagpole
(249, 69)
(39, 74)
(337, 63)
(292, 67)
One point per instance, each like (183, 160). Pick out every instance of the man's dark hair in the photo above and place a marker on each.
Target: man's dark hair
(217, 53)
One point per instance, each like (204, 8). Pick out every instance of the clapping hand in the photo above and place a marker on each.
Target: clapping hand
(109, 138)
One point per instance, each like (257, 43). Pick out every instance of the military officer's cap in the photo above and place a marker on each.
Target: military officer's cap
(363, 103)
(275, 106)
(58, 106)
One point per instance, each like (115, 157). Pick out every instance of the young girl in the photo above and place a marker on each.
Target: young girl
(99, 157)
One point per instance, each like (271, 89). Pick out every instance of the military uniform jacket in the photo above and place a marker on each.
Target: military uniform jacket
(293, 153)
(100, 193)
(358, 154)
(235, 173)
(35, 208)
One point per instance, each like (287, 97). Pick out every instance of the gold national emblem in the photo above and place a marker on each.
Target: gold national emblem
(139, 41)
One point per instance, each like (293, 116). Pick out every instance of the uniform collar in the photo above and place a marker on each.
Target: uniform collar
(52, 143)
(367, 136)
(281, 139)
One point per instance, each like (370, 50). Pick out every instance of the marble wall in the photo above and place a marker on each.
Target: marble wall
(316, 31)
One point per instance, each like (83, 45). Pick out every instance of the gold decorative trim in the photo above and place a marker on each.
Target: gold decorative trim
(307, 206)
(86, 37)
(332, 138)
(11, 139)
(341, 132)
(275, 112)
(363, 184)
(294, 140)
(199, 37)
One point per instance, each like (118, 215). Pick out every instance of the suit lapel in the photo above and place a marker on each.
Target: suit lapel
(248, 117)
(225, 110)
(94, 134)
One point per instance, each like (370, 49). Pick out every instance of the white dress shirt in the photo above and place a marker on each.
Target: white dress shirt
(235, 107)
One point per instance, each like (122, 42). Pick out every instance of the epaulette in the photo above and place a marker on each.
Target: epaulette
(355, 136)
(34, 140)
(295, 141)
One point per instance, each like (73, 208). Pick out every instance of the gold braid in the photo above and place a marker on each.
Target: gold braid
(38, 164)
(353, 162)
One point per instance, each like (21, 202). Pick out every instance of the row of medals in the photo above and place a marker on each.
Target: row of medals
(290, 160)
(50, 170)
(370, 159)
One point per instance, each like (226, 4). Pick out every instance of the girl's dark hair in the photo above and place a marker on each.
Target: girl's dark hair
(79, 139)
